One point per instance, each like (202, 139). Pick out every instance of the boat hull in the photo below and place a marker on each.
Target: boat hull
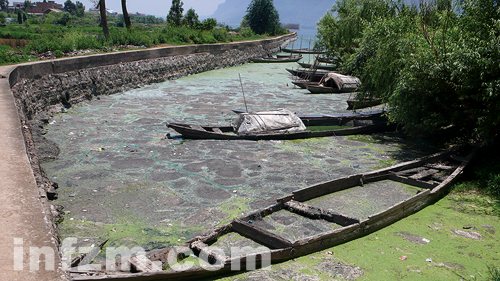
(364, 103)
(277, 60)
(311, 75)
(188, 131)
(302, 51)
(319, 66)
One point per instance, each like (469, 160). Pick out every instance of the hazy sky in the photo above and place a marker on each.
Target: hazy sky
(156, 7)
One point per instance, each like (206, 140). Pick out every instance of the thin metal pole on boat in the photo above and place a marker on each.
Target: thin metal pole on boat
(244, 99)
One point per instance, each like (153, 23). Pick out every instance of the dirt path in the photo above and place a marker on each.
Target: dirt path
(21, 210)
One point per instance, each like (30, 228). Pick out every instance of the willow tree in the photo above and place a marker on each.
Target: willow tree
(126, 17)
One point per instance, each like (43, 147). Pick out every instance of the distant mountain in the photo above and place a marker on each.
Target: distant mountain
(305, 13)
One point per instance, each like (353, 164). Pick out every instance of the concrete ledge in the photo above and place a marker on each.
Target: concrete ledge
(26, 212)
(39, 69)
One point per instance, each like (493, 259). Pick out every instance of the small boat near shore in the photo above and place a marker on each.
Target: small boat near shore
(326, 60)
(335, 83)
(283, 125)
(328, 67)
(189, 131)
(302, 51)
(336, 119)
(303, 83)
(294, 58)
(308, 74)
(283, 231)
(360, 103)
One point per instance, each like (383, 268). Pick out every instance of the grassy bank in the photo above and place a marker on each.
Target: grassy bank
(48, 37)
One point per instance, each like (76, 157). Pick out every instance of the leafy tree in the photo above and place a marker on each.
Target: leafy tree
(208, 24)
(4, 4)
(191, 19)
(70, 7)
(262, 17)
(126, 17)
(435, 66)
(63, 19)
(340, 29)
(175, 14)
(80, 9)
(19, 17)
(27, 5)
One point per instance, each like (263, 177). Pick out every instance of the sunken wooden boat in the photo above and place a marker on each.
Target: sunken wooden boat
(360, 103)
(302, 51)
(337, 119)
(328, 67)
(312, 75)
(277, 59)
(308, 220)
(334, 83)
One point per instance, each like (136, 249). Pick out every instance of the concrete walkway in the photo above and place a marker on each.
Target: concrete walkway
(21, 210)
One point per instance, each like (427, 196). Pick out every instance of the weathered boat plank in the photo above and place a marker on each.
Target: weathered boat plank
(411, 181)
(260, 235)
(318, 213)
(321, 189)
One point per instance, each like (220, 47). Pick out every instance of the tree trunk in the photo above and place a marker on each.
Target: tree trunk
(104, 19)
(126, 17)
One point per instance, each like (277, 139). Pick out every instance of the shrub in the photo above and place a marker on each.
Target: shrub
(208, 24)
(221, 34)
(10, 56)
(246, 32)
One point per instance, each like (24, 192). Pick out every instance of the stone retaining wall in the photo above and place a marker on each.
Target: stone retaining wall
(45, 87)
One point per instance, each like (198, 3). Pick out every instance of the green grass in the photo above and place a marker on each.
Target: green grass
(84, 34)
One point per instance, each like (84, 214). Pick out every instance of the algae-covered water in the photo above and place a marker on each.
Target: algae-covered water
(121, 179)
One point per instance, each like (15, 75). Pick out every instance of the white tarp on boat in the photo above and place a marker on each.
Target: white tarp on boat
(342, 82)
(268, 122)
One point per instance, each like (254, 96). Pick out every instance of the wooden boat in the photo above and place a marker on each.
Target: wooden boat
(326, 60)
(333, 83)
(302, 51)
(277, 59)
(337, 119)
(302, 83)
(362, 103)
(328, 67)
(308, 74)
(189, 131)
(427, 178)
(284, 56)
(320, 89)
